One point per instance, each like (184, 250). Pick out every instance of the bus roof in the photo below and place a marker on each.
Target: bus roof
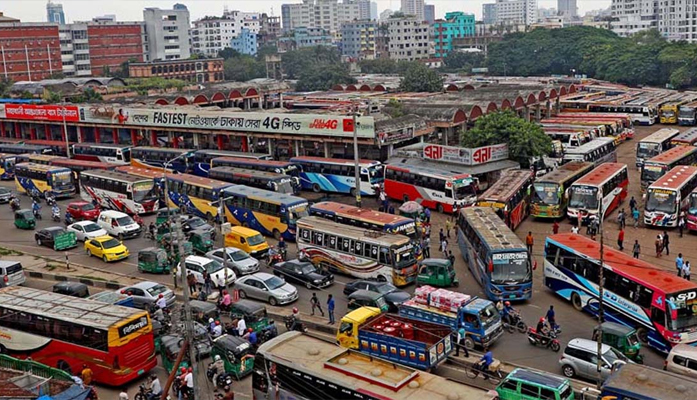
(506, 186)
(71, 162)
(163, 149)
(364, 163)
(689, 136)
(661, 135)
(675, 178)
(364, 214)
(3, 155)
(642, 382)
(261, 194)
(590, 146)
(565, 172)
(227, 153)
(138, 171)
(600, 174)
(66, 308)
(671, 155)
(115, 175)
(250, 173)
(22, 148)
(648, 274)
(251, 161)
(40, 167)
(198, 180)
(42, 157)
(103, 145)
(41, 142)
(324, 225)
(492, 229)
(428, 171)
(322, 359)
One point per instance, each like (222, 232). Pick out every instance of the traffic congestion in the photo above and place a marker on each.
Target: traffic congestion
(557, 282)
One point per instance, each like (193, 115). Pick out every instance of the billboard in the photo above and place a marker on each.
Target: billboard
(35, 112)
(465, 156)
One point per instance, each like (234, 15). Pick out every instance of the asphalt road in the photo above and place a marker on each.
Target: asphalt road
(512, 348)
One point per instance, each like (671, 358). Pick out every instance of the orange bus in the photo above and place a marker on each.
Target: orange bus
(687, 138)
(609, 180)
(509, 197)
(365, 218)
(657, 166)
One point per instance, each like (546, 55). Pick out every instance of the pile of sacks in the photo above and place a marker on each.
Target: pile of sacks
(442, 299)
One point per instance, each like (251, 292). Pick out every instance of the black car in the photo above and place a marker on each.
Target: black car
(75, 289)
(393, 296)
(46, 236)
(5, 195)
(196, 223)
(303, 272)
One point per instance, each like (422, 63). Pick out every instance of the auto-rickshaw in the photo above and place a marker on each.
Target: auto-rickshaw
(24, 219)
(162, 230)
(153, 260)
(437, 272)
(366, 298)
(622, 338)
(237, 354)
(202, 311)
(201, 241)
(167, 243)
(163, 214)
(170, 347)
(253, 313)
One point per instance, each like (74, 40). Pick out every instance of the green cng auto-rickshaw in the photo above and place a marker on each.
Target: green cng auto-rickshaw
(202, 311)
(153, 260)
(170, 347)
(253, 313)
(201, 241)
(24, 219)
(164, 214)
(622, 338)
(167, 243)
(437, 272)
(237, 354)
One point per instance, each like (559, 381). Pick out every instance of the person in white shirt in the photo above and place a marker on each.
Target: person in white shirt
(155, 387)
(574, 229)
(161, 302)
(189, 381)
(241, 327)
(217, 330)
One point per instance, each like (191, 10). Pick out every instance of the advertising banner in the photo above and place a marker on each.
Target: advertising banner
(465, 156)
(39, 112)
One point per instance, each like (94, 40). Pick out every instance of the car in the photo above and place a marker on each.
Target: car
(580, 359)
(303, 272)
(86, 230)
(393, 296)
(118, 224)
(47, 236)
(146, 293)
(5, 195)
(235, 259)
(266, 287)
(107, 248)
(197, 264)
(190, 223)
(75, 289)
(82, 211)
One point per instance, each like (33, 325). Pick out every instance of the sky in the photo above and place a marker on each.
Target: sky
(132, 10)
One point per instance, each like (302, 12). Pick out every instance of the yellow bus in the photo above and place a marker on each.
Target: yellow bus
(42, 179)
(195, 195)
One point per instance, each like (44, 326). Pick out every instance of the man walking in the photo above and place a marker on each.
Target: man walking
(636, 250)
(555, 227)
(314, 303)
(448, 226)
(441, 236)
(679, 263)
(635, 215)
(383, 200)
(461, 343)
(529, 242)
(681, 223)
(621, 219)
(330, 309)
(444, 247)
(686, 270)
(632, 204)
(620, 240)
(666, 242)
(426, 246)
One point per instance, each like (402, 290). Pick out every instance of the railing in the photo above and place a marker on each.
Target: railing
(34, 368)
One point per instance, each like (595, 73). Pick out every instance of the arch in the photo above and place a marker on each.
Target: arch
(459, 117)
(542, 96)
(181, 101)
(505, 105)
(379, 88)
(200, 99)
(475, 113)
(218, 97)
(562, 91)
(572, 88)
(351, 88)
(451, 88)
(162, 102)
(364, 88)
(338, 87)
(234, 94)
(553, 93)
(251, 92)
(468, 87)
(518, 103)
(491, 107)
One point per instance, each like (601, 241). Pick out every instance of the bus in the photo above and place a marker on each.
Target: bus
(357, 252)
(157, 177)
(7, 166)
(641, 382)
(568, 139)
(107, 153)
(259, 179)
(14, 148)
(650, 299)
(611, 180)
(44, 159)
(179, 160)
(278, 167)
(202, 159)
(338, 176)
(365, 218)
(509, 196)
(44, 179)
(640, 114)
(117, 191)
(669, 195)
(691, 212)
(194, 194)
(668, 113)
(654, 144)
(687, 115)
(433, 188)
(294, 365)
(657, 166)
(597, 151)
(687, 138)
(497, 258)
(57, 146)
(67, 332)
(270, 213)
(549, 195)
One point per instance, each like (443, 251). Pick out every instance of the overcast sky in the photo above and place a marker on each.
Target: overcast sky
(132, 10)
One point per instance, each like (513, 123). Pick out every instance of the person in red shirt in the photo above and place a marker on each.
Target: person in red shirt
(620, 240)
(555, 227)
(529, 241)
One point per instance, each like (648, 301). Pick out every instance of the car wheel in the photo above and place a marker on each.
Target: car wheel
(105, 259)
(236, 271)
(88, 253)
(308, 285)
(38, 241)
(568, 371)
(120, 237)
(273, 301)
(242, 294)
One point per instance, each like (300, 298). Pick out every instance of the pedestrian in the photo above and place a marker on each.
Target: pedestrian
(427, 230)
(555, 227)
(529, 242)
(86, 375)
(330, 309)
(621, 218)
(383, 200)
(427, 247)
(451, 258)
(632, 204)
(681, 224)
(679, 263)
(448, 226)
(635, 215)
(594, 226)
(391, 211)
(666, 242)
(207, 283)
(686, 270)
(589, 225)
(574, 229)
(461, 334)
(314, 303)
(221, 285)
(637, 249)
(441, 236)
(444, 247)
(659, 246)
(174, 273)
(123, 396)
(191, 281)
(427, 215)
(620, 240)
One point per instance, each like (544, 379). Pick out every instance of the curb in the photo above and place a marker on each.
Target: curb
(63, 278)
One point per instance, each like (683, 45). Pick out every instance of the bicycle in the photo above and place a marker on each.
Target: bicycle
(492, 374)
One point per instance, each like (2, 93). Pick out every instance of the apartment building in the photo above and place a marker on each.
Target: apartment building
(325, 14)
(455, 26)
(167, 33)
(510, 12)
(29, 51)
(413, 8)
(410, 39)
(358, 39)
(210, 35)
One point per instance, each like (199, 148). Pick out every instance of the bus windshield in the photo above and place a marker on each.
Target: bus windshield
(584, 197)
(404, 256)
(547, 193)
(298, 212)
(651, 173)
(647, 150)
(661, 200)
(144, 191)
(126, 155)
(375, 173)
(510, 267)
(464, 191)
(693, 204)
(62, 178)
(686, 312)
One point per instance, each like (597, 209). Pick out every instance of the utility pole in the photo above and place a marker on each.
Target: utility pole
(65, 132)
(356, 159)
(601, 214)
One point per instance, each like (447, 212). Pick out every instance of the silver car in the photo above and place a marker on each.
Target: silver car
(266, 287)
(580, 359)
(86, 230)
(235, 259)
(146, 293)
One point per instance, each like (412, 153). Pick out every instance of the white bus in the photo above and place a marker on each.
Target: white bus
(654, 144)
(119, 191)
(668, 195)
(107, 153)
(597, 151)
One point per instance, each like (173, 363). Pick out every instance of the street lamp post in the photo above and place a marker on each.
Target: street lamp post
(356, 160)
(65, 131)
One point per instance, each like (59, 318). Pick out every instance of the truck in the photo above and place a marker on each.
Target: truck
(479, 317)
(407, 341)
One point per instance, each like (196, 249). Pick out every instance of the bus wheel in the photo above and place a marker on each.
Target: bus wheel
(316, 188)
(3, 349)
(576, 301)
(405, 198)
(276, 234)
(439, 208)
(643, 335)
(382, 278)
(64, 366)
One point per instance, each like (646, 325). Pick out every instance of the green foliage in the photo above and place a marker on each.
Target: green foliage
(5, 85)
(323, 77)
(394, 108)
(264, 51)
(385, 66)
(457, 61)
(242, 68)
(420, 78)
(53, 97)
(307, 59)
(525, 139)
(228, 53)
(87, 96)
(142, 85)
(26, 95)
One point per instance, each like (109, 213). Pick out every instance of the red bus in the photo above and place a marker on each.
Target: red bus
(656, 166)
(609, 180)
(65, 332)
(80, 165)
(687, 138)
(365, 218)
(509, 196)
(433, 188)
(692, 212)
(669, 195)
(103, 152)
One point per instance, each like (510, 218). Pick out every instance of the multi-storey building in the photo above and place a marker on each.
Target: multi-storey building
(29, 51)
(510, 12)
(245, 42)
(632, 16)
(167, 33)
(201, 71)
(210, 35)
(567, 8)
(429, 13)
(455, 26)
(269, 30)
(304, 37)
(413, 8)
(358, 39)
(489, 13)
(409, 39)
(54, 13)
(326, 14)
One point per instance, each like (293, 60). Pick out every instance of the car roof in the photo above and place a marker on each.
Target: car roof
(588, 345)
(103, 238)
(548, 380)
(54, 228)
(82, 223)
(260, 275)
(296, 262)
(113, 214)
(244, 231)
(198, 259)
(145, 284)
(684, 350)
(78, 203)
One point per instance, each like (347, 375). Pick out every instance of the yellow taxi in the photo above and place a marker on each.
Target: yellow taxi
(106, 247)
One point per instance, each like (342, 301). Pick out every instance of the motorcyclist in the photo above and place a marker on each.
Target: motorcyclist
(151, 229)
(251, 336)
(295, 323)
(211, 324)
(161, 302)
(218, 367)
(14, 203)
(155, 388)
(36, 208)
(541, 327)
(551, 319)
(507, 312)
(56, 211)
(226, 301)
(282, 248)
(217, 330)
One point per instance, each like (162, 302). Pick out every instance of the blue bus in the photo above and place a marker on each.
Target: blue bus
(7, 166)
(497, 258)
(157, 157)
(335, 175)
(44, 179)
(270, 213)
(194, 194)
(202, 159)
(278, 167)
(14, 148)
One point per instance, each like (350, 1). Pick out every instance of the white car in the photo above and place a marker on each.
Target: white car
(118, 224)
(197, 265)
(87, 230)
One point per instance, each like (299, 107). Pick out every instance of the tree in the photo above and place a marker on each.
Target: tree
(266, 50)
(243, 68)
(457, 61)
(228, 53)
(420, 78)
(5, 86)
(53, 97)
(306, 59)
(323, 77)
(525, 139)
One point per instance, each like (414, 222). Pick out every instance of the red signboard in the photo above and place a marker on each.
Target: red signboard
(465, 156)
(41, 112)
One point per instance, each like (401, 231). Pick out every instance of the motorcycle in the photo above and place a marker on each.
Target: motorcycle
(37, 212)
(56, 216)
(516, 322)
(268, 332)
(273, 257)
(50, 200)
(289, 321)
(493, 372)
(222, 380)
(14, 204)
(221, 307)
(546, 341)
(143, 392)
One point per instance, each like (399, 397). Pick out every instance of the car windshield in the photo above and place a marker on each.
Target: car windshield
(111, 243)
(274, 283)
(157, 289)
(547, 193)
(386, 288)
(123, 221)
(87, 207)
(613, 355)
(255, 240)
(584, 197)
(213, 266)
(91, 227)
(196, 222)
(651, 173)
(307, 269)
(661, 200)
(489, 315)
(511, 267)
(238, 255)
